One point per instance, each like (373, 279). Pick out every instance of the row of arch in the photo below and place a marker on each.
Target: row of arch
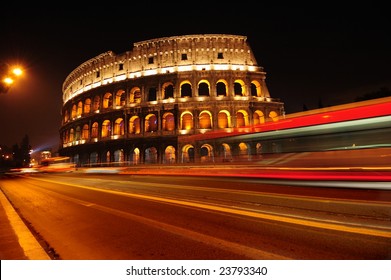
(119, 99)
(206, 153)
(123, 126)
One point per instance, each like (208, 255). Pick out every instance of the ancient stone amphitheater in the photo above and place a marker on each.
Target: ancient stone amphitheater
(142, 106)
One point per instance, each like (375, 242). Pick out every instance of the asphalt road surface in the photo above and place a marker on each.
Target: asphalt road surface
(112, 217)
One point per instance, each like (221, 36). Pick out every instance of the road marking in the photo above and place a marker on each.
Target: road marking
(248, 252)
(252, 193)
(243, 250)
(31, 247)
(291, 220)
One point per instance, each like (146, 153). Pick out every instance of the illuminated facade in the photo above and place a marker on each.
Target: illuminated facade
(139, 107)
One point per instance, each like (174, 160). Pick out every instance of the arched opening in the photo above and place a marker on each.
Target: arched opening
(169, 155)
(205, 121)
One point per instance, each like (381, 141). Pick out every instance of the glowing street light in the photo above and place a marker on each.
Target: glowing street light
(8, 76)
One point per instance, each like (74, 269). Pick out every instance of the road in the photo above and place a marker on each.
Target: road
(93, 216)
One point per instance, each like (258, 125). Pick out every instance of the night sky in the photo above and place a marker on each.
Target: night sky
(312, 56)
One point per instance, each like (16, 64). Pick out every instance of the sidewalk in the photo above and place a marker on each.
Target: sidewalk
(17, 242)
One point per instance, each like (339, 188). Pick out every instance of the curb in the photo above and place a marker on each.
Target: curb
(26, 240)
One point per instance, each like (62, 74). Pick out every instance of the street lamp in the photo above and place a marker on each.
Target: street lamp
(8, 76)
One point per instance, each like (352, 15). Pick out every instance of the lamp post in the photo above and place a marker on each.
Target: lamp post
(8, 76)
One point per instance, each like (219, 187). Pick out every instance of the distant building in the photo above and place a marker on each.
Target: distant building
(138, 107)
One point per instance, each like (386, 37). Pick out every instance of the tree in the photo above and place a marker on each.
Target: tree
(21, 154)
(25, 148)
(16, 156)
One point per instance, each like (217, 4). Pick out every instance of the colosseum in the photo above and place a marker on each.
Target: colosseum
(143, 106)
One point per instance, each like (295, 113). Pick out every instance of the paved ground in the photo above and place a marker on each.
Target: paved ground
(18, 243)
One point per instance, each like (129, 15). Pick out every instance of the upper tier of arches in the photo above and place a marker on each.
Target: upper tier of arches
(177, 54)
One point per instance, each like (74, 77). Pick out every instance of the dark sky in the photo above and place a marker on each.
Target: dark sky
(311, 55)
